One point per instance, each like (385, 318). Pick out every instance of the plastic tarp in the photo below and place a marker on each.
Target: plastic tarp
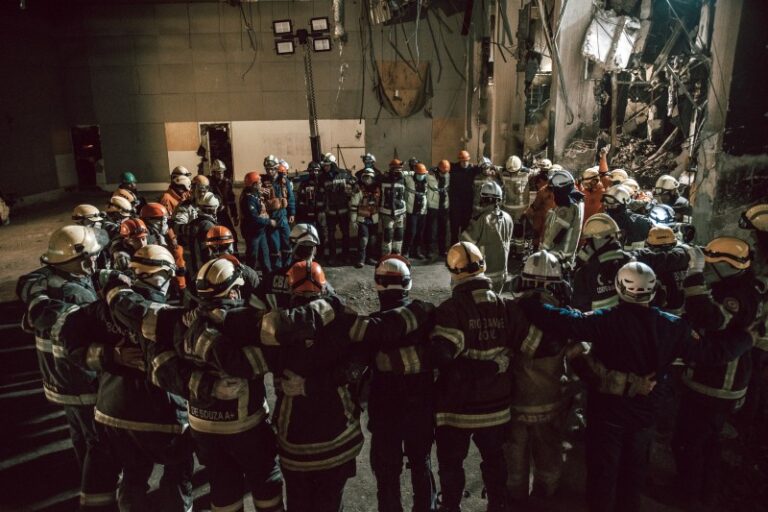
(610, 39)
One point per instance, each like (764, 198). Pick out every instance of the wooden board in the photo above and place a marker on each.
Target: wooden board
(182, 136)
(446, 138)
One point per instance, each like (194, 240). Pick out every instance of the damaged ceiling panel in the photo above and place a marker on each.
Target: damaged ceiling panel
(611, 39)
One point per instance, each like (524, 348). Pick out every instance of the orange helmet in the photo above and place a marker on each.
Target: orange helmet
(133, 228)
(395, 164)
(306, 278)
(218, 235)
(251, 178)
(420, 169)
(444, 166)
(153, 211)
(463, 156)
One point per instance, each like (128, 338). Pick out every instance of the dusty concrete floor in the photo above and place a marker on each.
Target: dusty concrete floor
(25, 239)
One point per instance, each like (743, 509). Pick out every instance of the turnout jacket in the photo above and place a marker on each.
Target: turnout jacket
(50, 296)
(491, 230)
(517, 192)
(474, 328)
(308, 199)
(634, 228)
(416, 195)
(335, 189)
(438, 185)
(562, 229)
(393, 202)
(365, 204)
(632, 338)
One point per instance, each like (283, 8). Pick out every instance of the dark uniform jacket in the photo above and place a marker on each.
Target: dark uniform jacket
(308, 200)
(335, 189)
(392, 195)
(253, 213)
(634, 227)
(223, 189)
(461, 191)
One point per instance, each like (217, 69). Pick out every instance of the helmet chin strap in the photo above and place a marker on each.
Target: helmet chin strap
(149, 282)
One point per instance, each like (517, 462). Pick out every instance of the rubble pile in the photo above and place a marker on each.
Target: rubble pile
(642, 159)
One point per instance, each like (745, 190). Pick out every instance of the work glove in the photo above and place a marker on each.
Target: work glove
(293, 384)
(695, 260)
(228, 388)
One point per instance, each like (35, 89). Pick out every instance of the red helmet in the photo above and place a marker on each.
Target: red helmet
(153, 211)
(218, 235)
(395, 164)
(133, 228)
(306, 278)
(251, 178)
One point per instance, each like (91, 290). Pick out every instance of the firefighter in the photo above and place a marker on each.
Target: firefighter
(156, 218)
(393, 208)
(416, 211)
(601, 257)
(196, 252)
(128, 182)
(618, 176)
(487, 173)
(364, 216)
(400, 404)
(562, 227)
(69, 264)
(491, 231)
(128, 196)
(517, 197)
(309, 204)
(631, 337)
(460, 194)
(133, 236)
(670, 296)
(369, 162)
(667, 191)
(335, 189)
(184, 213)
(602, 166)
(541, 205)
(221, 185)
(474, 331)
(219, 241)
(178, 192)
(593, 191)
(642, 201)
(118, 210)
(634, 228)
(140, 424)
(711, 392)
(88, 215)
(438, 206)
(255, 220)
(664, 215)
(284, 216)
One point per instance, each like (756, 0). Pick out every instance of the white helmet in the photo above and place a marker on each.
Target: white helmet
(86, 212)
(464, 260)
(491, 189)
(368, 159)
(328, 159)
(666, 183)
(209, 201)
(270, 161)
(121, 205)
(541, 268)
(632, 185)
(636, 283)
(70, 243)
(304, 234)
(485, 163)
(590, 173)
(151, 259)
(180, 170)
(617, 195)
(218, 166)
(217, 277)
(544, 163)
(618, 176)
(514, 164)
(600, 225)
(393, 272)
(183, 181)
(561, 179)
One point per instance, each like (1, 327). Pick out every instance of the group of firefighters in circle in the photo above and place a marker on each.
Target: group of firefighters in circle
(156, 338)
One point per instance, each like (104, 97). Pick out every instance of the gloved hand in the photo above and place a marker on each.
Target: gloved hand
(130, 357)
(695, 260)
(293, 384)
(272, 223)
(228, 388)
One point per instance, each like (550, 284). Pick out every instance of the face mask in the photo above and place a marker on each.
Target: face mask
(88, 265)
(420, 177)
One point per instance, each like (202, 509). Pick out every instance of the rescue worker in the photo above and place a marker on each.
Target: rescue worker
(156, 218)
(474, 331)
(221, 185)
(255, 220)
(634, 228)
(562, 227)
(491, 231)
(127, 195)
(393, 208)
(219, 241)
(180, 170)
(68, 266)
(416, 212)
(667, 191)
(141, 424)
(118, 210)
(601, 257)
(642, 201)
(129, 182)
(364, 216)
(335, 189)
(602, 166)
(88, 215)
(369, 162)
(284, 216)
(517, 198)
(487, 173)
(460, 194)
(438, 206)
(400, 404)
(196, 231)
(593, 191)
(178, 192)
(541, 205)
(631, 337)
(186, 212)
(270, 165)
(670, 296)
(133, 236)
(618, 176)
(730, 303)
(309, 204)
(755, 219)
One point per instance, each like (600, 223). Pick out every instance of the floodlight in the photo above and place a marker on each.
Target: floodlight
(321, 44)
(284, 47)
(319, 24)
(282, 27)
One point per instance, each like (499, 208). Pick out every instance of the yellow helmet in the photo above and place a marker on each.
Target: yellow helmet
(464, 260)
(755, 218)
(733, 251)
(125, 194)
(70, 243)
(600, 225)
(660, 236)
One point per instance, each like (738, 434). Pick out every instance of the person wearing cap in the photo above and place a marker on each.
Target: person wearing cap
(438, 206)
(461, 194)
(416, 211)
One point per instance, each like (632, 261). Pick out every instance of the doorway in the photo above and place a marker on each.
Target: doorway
(86, 145)
(215, 144)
